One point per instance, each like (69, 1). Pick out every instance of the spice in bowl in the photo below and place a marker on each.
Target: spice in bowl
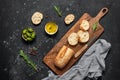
(28, 34)
(51, 28)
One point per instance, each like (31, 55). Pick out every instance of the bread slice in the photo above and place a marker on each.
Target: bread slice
(83, 36)
(36, 18)
(69, 18)
(84, 25)
(73, 39)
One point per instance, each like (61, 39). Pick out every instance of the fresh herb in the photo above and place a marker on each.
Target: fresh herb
(94, 27)
(57, 9)
(34, 48)
(33, 51)
(28, 61)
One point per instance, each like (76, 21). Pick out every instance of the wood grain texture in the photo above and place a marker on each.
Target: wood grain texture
(50, 56)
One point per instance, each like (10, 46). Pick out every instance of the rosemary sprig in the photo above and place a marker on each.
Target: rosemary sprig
(57, 9)
(94, 27)
(28, 61)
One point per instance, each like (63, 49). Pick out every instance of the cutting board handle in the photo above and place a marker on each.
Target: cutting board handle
(102, 12)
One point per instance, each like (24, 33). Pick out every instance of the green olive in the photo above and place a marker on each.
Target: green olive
(33, 35)
(24, 31)
(29, 39)
(25, 36)
(28, 34)
(30, 30)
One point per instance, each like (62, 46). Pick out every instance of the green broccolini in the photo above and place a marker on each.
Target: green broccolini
(28, 61)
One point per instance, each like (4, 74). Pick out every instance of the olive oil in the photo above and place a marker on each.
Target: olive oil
(51, 28)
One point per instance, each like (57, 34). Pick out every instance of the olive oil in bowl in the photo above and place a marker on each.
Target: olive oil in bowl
(51, 28)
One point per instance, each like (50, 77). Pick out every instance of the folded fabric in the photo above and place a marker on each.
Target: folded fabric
(91, 64)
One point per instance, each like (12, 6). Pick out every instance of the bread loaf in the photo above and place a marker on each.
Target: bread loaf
(63, 57)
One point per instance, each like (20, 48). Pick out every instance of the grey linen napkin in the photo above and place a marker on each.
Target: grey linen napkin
(91, 64)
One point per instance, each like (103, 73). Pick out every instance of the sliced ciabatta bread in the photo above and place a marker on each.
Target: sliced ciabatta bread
(69, 18)
(84, 25)
(83, 36)
(36, 18)
(73, 39)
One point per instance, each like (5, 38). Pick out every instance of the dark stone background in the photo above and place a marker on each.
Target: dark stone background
(16, 15)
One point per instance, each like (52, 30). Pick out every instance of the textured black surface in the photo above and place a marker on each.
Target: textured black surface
(16, 15)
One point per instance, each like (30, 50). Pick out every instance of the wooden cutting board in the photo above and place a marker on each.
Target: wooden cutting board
(50, 56)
